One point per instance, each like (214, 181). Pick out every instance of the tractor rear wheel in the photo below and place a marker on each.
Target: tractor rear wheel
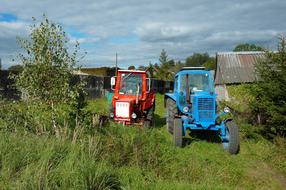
(232, 132)
(171, 112)
(178, 132)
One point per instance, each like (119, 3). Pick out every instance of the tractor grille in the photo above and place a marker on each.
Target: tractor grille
(206, 109)
(122, 109)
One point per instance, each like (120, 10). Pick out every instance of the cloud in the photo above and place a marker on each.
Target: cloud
(8, 44)
(84, 40)
(139, 30)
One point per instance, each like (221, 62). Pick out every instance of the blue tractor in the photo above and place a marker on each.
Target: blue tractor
(193, 107)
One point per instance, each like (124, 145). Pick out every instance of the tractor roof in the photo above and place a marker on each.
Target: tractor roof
(132, 71)
(193, 68)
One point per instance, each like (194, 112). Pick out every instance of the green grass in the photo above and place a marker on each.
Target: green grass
(133, 158)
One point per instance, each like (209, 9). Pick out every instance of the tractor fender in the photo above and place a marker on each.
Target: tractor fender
(169, 95)
(227, 120)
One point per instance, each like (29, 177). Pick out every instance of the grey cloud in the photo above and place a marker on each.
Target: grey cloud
(180, 27)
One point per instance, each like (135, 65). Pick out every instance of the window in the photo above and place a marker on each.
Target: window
(131, 84)
(197, 82)
(176, 83)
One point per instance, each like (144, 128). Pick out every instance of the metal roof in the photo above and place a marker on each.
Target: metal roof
(237, 67)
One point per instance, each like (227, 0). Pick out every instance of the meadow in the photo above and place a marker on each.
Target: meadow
(118, 157)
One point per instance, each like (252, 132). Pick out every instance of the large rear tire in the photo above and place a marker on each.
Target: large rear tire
(232, 131)
(171, 112)
(178, 132)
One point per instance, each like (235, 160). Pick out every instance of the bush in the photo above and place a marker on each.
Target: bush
(35, 117)
(270, 90)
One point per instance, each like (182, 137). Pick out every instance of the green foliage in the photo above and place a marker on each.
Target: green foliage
(270, 90)
(197, 59)
(141, 68)
(248, 47)
(132, 67)
(47, 65)
(167, 68)
(35, 117)
(210, 64)
(163, 59)
(240, 97)
(17, 68)
(164, 71)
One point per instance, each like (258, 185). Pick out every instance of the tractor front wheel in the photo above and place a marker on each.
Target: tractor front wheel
(232, 133)
(150, 120)
(171, 112)
(178, 132)
(147, 124)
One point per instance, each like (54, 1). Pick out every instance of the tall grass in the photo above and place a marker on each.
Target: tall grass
(118, 157)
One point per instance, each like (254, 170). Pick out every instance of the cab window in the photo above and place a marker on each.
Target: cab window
(176, 83)
(130, 84)
(197, 82)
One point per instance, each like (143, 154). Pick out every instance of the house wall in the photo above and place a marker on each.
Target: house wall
(221, 92)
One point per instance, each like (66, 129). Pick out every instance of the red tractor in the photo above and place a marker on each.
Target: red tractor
(133, 100)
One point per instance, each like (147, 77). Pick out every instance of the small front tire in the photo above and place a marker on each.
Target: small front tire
(147, 124)
(178, 132)
(232, 132)
(171, 112)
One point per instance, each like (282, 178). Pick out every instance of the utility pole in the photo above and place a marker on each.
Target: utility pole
(116, 64)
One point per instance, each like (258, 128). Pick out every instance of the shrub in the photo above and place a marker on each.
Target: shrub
(35, 117)
(270, 90)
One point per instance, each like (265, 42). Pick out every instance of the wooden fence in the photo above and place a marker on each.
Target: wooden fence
(96, 86)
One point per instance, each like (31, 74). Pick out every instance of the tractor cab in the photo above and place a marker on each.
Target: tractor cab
(196, 95)
(133, 99)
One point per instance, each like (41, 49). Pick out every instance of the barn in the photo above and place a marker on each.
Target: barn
(235, 68)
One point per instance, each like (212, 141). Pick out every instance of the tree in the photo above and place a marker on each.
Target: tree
(248, 47)
(270, 90)
(0, 64)
(163, 71)
(132, 67)
(151, 70)
(163, 59)
(141, 68)
(197, 59)
(17, 68)
(48, 68)
(171, 63)
(210, 64)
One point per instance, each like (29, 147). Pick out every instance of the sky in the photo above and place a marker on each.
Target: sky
(139, 29)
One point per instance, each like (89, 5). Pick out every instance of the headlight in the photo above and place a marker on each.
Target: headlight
(226, 110)
(133, 115)
(185, 109)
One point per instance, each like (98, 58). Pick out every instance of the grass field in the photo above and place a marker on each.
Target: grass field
(118, 157)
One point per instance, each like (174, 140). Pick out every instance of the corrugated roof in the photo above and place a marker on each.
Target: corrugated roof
(236, 67)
